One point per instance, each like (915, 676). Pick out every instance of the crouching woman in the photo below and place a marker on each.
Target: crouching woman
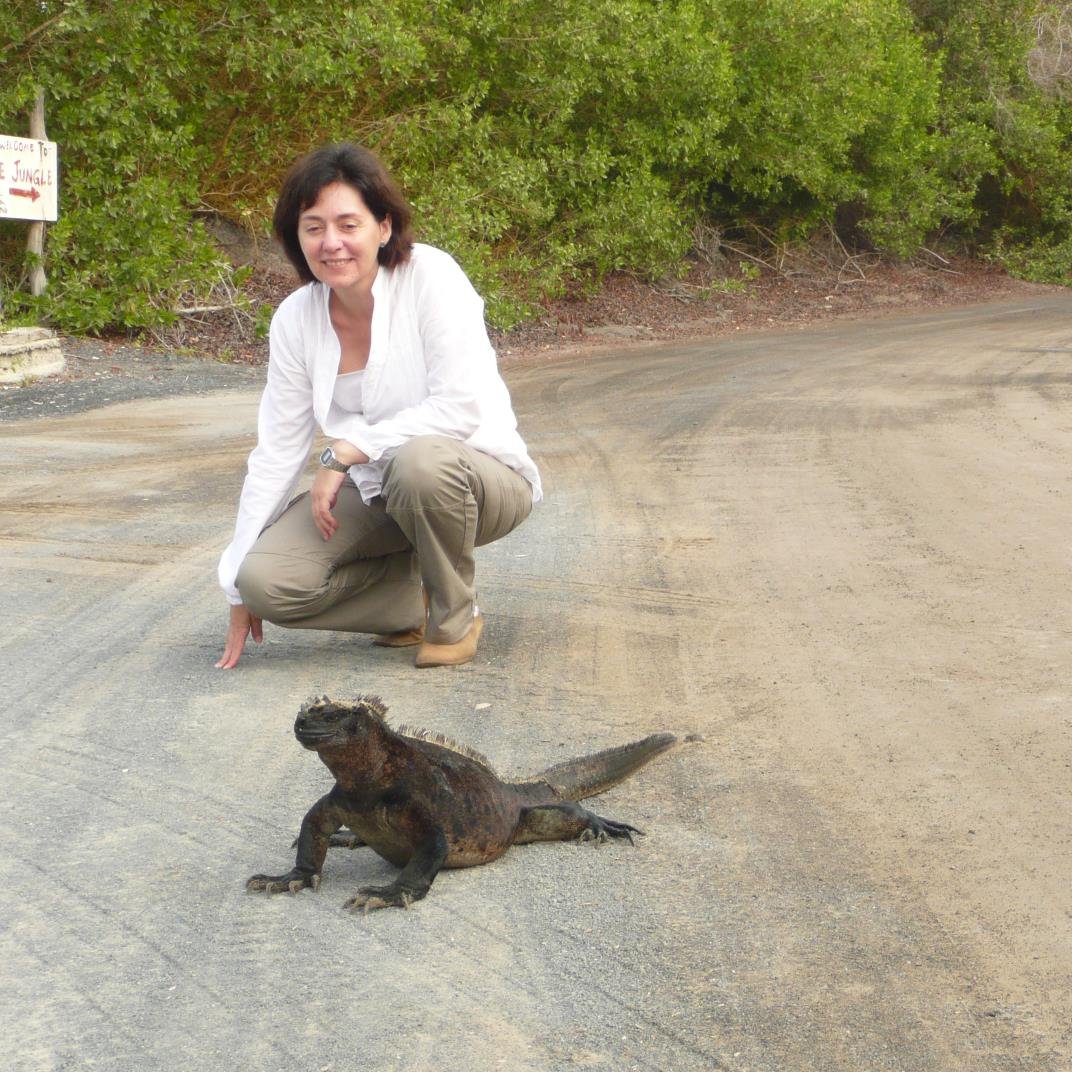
(385, 350)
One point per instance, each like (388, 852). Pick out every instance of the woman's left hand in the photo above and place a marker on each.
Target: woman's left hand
(322, 497)
(326, 486)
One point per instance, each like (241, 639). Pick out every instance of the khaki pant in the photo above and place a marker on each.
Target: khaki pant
(440, 499)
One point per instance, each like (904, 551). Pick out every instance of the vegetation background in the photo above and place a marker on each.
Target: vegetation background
(545, 143)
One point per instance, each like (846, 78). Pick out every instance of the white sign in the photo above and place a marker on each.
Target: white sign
(28, 178)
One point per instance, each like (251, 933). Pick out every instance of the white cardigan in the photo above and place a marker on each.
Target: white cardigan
(431, 371)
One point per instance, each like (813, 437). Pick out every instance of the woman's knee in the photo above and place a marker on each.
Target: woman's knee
(271, 588)
(427, 470)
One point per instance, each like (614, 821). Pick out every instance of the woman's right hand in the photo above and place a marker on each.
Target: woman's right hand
(242, 625)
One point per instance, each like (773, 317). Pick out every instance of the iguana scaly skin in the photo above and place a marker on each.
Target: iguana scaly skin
(425, 803)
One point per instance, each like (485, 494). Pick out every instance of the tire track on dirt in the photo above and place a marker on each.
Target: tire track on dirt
(143, 789)
(132, 619)
(81, 921)
(41, 1032)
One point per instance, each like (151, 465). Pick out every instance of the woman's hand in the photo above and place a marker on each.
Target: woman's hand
(326, 484)
(242, 624)
(322, 498)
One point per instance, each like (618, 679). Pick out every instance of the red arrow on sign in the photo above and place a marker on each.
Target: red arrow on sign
(31, 193)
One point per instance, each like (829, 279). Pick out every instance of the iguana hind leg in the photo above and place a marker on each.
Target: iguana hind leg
(567, 821)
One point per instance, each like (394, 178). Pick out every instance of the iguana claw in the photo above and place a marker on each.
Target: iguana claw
(601, 830)
(292, 882)
(369, 898)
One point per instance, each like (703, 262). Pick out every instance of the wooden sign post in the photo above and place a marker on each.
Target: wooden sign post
(28, 185)
(29, 173)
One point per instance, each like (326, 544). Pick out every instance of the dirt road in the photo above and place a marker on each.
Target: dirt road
(839, 554)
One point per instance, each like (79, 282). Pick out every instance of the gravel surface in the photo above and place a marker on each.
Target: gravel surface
(102, 371)
(217, 351)
(836, 563)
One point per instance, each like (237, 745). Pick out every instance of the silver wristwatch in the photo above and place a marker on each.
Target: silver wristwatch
(329, 461)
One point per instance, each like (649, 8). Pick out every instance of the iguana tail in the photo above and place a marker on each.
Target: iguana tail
(587, 776)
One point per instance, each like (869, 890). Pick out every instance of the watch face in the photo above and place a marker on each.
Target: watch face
(327, 457)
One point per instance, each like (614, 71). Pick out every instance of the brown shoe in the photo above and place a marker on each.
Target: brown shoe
(404, 638)
(451, 654)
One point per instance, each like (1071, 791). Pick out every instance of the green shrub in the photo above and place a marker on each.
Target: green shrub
(837, 103)
(543, 142)
(540, 142)
(1007, 116)
(125, 251)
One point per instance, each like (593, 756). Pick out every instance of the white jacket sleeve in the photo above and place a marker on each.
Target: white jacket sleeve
(458, 361)
(285, 431)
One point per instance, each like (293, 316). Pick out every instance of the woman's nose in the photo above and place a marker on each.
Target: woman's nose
(332, 237)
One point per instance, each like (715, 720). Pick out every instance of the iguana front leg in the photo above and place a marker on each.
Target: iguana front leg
(320, 823)
(413, 882)
(567, 821)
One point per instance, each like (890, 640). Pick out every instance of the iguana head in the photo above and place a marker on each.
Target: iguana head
(323, 722)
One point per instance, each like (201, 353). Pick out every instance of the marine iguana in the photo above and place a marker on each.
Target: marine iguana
(424, 802)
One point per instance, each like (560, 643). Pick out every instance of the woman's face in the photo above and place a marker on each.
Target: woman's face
(341, 238)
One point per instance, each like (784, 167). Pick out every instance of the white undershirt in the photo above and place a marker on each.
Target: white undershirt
(349, 393)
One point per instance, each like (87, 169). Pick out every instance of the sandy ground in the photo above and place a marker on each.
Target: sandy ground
(838, 553)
